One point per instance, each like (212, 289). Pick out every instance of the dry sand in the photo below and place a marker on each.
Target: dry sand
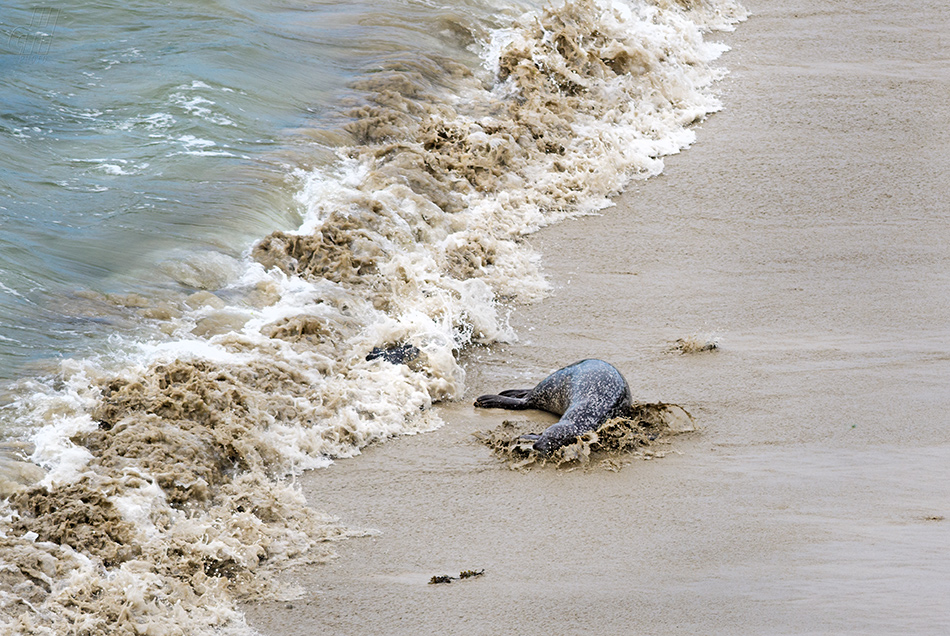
(808, 230)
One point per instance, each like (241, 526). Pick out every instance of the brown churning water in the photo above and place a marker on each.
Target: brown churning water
(162, 499)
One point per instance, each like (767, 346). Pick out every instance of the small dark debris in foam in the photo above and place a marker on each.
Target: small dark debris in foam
(644, 433)
(395, 354)
(465, 574)
(933, 518)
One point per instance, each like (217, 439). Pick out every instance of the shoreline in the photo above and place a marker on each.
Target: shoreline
(804, 228)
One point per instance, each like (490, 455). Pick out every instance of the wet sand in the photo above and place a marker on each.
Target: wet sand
(807, 230)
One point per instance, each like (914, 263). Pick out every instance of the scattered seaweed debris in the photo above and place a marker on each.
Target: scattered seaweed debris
(642, 432)
(464, 574)
(468, 574)
(443, 578)
(696, 343)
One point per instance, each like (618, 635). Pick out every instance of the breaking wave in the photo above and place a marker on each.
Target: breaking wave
(163, 495)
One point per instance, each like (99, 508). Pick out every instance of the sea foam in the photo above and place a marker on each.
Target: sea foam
(165, 497)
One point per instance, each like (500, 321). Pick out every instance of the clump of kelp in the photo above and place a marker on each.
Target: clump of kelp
(464, 574)
(644, 432)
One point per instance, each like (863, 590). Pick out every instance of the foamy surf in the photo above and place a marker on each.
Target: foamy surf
(165, 496)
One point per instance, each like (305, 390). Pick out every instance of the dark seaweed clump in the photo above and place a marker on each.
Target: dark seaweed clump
(464, 574)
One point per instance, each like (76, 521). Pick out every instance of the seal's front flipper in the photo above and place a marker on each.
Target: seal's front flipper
(501, 402)
(516, 393)
(530, 437)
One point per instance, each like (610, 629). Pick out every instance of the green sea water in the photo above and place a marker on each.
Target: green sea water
(137, 135)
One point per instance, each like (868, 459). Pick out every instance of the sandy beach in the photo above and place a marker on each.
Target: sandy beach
(807, 231)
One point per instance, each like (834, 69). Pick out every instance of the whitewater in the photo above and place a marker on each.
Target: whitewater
(150, 447)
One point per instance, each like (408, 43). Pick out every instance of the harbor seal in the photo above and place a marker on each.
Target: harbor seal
(585, 394)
